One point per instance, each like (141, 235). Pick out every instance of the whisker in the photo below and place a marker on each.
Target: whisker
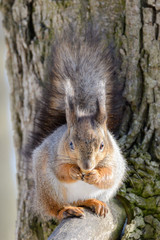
(61, 161)
(64, 156)
(58, 164)
(106, 163)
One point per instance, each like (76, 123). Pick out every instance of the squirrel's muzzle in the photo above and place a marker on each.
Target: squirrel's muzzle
(87, 166)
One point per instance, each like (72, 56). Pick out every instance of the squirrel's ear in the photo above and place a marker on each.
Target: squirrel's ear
(100, 116)
(70, 111)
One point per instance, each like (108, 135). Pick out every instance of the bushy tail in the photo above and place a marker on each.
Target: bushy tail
(86, 58)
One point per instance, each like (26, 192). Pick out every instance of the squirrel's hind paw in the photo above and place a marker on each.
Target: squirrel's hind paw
(70, 211)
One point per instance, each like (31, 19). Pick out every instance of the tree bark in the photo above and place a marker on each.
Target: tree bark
(133, 25)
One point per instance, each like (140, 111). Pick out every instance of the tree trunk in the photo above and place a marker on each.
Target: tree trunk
(133, 25)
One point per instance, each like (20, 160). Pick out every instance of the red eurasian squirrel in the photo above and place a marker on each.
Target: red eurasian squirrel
(78, 163)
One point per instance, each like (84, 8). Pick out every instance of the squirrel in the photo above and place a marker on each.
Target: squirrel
(77, 162)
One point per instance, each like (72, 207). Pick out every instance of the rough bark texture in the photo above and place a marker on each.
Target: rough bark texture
(134, 27)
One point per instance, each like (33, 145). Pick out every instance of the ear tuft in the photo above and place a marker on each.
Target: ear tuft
(70, 111)
(100, 116)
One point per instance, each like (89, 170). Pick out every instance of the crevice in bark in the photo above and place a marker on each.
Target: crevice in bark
(18, 129)
(154, 16)
(141, 85)
(154, 11)
(85, 11)
(141, 30)
(19, 59)
(124, 25)
(31, 31)
(151, 147)
(156, 31)
(147, 5)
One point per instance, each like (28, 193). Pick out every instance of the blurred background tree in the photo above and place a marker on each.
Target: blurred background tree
(7, 159)
(134, 28)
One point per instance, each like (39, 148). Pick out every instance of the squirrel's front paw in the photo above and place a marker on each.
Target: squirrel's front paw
(92, 177)
(99, 207)
(75, 173)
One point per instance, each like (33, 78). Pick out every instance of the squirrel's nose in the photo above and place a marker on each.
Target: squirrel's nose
(87, 165)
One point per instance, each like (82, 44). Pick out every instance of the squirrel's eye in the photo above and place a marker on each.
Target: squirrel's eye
(71, 146)
(101, 146)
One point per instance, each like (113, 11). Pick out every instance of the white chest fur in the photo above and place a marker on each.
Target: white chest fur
(80, 191)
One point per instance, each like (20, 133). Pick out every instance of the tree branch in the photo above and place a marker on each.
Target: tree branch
(92, 227)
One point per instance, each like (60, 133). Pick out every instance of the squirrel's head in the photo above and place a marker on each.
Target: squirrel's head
(87, 141)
